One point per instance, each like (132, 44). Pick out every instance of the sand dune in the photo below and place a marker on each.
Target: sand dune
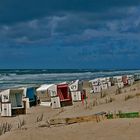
(114, 129)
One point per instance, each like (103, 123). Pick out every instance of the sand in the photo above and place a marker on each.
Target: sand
(113, 129)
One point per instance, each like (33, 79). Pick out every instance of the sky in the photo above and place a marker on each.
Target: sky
(63, 34)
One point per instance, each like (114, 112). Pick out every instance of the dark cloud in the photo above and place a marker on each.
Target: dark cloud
(81, 31)
(19, 10)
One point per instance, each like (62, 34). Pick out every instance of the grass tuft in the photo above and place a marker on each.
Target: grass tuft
(40, 118)
(5, 127)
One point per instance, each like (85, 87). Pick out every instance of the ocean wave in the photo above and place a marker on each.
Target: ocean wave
(12, 78)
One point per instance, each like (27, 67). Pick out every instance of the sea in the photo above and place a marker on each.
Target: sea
(11, 78)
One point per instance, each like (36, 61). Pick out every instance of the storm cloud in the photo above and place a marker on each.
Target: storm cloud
(92, 31)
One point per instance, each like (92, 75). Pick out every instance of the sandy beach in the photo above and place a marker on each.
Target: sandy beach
(112, 129)
(69, 70)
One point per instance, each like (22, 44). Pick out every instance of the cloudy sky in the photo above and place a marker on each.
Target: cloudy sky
(70, 34)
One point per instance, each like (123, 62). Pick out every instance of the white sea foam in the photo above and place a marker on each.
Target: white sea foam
(17, 78)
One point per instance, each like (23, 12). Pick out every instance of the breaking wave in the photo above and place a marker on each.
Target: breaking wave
(14, 78)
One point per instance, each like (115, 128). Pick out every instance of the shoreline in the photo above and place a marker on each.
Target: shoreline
(15, 78)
